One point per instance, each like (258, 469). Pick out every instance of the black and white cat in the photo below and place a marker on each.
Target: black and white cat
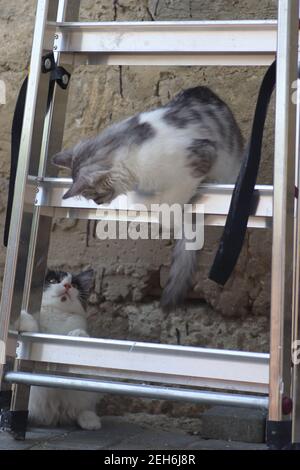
(165, 152)
(63, 312)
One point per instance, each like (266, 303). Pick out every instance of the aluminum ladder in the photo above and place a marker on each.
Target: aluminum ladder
(241, 378)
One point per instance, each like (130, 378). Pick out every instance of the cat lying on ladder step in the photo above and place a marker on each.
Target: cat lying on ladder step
(166, 152)
(63, 312)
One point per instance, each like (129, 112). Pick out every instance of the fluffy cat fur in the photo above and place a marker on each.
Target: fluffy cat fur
(63, 311)
(165, 153)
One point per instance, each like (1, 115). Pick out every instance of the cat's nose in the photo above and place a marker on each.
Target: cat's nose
(67, 286)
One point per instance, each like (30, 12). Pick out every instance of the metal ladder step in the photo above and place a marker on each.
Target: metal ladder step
(214, 202)
(140, 390)
(181, 365)
(166, 43)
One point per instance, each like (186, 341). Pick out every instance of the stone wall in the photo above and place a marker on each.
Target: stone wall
(128, 274)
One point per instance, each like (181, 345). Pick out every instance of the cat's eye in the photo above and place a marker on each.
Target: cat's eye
(52, 281)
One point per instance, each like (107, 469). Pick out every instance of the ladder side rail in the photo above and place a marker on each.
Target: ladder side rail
(35, 106)
(53, 131)
(296, 293)
(39, 238)
(283, 217)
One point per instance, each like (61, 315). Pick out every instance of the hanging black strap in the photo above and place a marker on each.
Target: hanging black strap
(62, 78)
(243, 196)
(15, 146)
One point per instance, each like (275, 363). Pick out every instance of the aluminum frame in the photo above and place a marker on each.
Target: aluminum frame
(237, 43)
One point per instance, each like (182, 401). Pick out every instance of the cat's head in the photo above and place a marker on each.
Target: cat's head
(66, 291)
(90, 166)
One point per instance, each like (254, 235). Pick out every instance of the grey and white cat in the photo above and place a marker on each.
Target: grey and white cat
(63, 311)
(165, 152)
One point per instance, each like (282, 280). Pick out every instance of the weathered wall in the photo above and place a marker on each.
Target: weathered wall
(129, 273)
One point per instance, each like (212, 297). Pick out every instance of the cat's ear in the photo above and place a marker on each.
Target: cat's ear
(80, 184)
(86, 279)
(63, 158)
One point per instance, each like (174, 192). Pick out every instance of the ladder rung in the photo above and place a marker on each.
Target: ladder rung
(166, 43)
(140, 390)
(164, 363)
(215, 200)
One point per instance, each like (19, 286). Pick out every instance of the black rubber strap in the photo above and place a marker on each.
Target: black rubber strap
(15, 146)
(243, 197)
(62, 78)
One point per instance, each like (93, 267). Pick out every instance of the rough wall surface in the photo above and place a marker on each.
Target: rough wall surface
(128, 274)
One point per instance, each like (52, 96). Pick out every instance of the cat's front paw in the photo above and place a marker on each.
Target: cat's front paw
(27, 323)
(89, 420)
(78, 332)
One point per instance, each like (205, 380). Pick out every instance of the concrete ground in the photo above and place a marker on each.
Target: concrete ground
(117, 434)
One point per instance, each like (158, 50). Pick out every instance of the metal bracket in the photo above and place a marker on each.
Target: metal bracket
(48, 63)
(61, 76)
(58, 74)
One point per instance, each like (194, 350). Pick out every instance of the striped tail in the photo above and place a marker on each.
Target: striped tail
(183, 268)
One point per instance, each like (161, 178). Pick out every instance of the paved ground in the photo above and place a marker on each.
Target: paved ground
(116, 434)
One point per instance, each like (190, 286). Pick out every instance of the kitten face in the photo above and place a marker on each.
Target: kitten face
(67, 292)
(92, 160)
(95, 185)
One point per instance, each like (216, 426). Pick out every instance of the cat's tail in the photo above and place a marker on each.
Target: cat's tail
(183, 268)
